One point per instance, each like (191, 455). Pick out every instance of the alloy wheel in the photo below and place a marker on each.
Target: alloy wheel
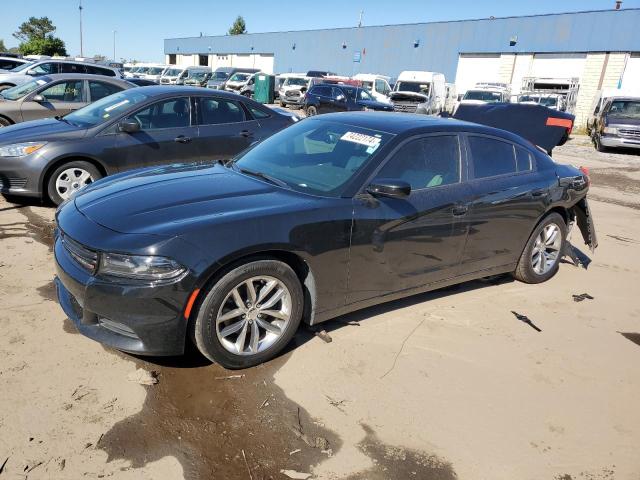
(71, 180)
(546, 250)
(253, 315)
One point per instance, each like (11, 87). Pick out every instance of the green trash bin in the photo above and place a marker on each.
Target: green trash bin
(265, 87)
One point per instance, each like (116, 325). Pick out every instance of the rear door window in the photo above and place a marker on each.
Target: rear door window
(100, 90)
(321, 91)
(492, 157)
(72, 68)
(215, 111)
(172, 113)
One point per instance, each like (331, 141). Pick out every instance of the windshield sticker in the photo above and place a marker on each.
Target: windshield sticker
(362, 139)
(40, 82)
(116, 105)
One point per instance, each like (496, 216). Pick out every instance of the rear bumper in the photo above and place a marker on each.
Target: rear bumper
(616, 141)
(139, 319)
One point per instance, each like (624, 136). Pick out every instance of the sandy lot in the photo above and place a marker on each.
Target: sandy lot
(441, 386)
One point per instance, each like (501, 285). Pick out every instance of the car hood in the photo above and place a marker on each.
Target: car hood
(40, 130)
(169, 200)
(375, 105)
(622, 120)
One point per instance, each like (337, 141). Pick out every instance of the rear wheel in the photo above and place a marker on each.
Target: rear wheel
(311, 111)
(250, 314)
(540, 259)
(69, 178)
(5, 122)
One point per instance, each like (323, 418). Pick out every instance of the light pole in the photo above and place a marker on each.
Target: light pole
(114, 45)
(80, 10)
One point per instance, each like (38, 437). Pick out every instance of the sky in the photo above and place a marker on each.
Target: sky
(142, 25)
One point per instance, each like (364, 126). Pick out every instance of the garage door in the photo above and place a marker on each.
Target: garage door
(474, 68)
(558, 65)
(631, 77)
(263, 61)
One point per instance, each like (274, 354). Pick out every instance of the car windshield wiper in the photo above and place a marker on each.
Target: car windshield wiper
(264, 176)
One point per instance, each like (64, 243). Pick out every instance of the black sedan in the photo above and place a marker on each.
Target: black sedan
(333, 214)
(331, 98)
(140, 127)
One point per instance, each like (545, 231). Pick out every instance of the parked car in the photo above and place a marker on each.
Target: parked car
(377, 85)
(617, 124)
(154, 72)
(178, 75)
(485, 94)
(143, 126)
(9, 63)
(327, 98)
(55, 95)
(26, 72)
(554, 101)
(222, 74)
(198, 79)
(237, 81)
(293, 89)
(419, 92)
(331, 215)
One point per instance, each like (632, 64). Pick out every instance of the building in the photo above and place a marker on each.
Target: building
(599, 48)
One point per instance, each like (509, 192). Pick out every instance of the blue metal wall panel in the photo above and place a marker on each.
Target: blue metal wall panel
(390, 49)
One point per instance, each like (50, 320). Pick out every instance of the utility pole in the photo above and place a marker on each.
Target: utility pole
(80, 10)
(114, 45)
(360, 20)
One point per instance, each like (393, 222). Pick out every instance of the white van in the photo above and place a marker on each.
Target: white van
(177, 75)
(419, 92)
(293, 89)
(154, 72)
(376, 85)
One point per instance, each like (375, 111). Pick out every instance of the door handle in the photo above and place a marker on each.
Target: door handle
(459, 210)
(246, 133)
(182, 139)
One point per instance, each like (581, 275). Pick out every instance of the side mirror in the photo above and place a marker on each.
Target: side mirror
(31, 72)
(129, 126)
(388, 187)
(39, 98)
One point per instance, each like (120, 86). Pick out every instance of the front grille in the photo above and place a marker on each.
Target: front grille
(629, 132)
(409, 107)
(165, 80)
(294, 93)
(88, 259)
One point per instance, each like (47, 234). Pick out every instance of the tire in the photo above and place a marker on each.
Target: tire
(528, 269)
(79, 169)
(5, 122)
(219, 302)
(311, 111)
(282, 104)
(598, 144)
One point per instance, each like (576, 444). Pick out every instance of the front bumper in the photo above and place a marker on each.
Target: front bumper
(615, 141)
(143, 319)
(20, 176)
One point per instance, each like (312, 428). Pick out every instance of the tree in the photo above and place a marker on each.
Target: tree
(49, 45)
(3, 48)
(36, 37)
(35, 28)
(238, 27)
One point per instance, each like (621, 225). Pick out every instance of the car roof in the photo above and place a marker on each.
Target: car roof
(81, 76)
(170, 90)
(398, 123)
(626, 98)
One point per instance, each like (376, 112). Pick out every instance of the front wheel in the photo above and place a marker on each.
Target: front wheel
(540, 258)
(69, 178)
(311, 111)
(250, 314)
(4, 122)
(598, 143)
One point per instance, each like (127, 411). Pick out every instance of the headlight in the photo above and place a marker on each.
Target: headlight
(141, 267)
(367, 109)
(21, 149)
(610, 130)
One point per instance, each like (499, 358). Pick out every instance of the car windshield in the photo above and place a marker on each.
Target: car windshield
(549, 101)
(626, 108)
(199, 75)
(155, 70)
(296, 82)
(173, 72)
(21, 90)
(24, 66)
(482, 95)
(315, 156)
(143, 70)
(106, 108)
(220, 75)
(415, 87)
(240, 77)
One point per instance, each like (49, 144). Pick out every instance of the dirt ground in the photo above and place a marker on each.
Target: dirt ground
(441, 386)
